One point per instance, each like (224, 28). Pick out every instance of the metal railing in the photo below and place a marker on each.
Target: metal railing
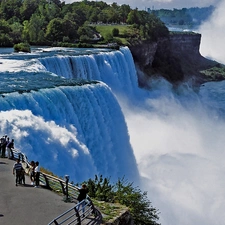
(76, 214)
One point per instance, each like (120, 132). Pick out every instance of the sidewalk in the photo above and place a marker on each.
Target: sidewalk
(24, 204)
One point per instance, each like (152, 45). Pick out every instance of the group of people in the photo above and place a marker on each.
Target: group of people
(34, 172)
(6, 144)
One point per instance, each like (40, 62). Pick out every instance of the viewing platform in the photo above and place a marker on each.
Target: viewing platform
(24, 204)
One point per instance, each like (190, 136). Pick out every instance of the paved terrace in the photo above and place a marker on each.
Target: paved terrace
(24, 204)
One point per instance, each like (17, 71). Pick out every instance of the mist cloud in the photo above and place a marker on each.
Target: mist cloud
(212, 42)
(180, 153)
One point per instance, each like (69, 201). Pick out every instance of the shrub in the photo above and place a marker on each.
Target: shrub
(22, 47)
(124, 193)
(115, 32)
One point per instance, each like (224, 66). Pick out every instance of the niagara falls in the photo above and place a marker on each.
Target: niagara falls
(82, 113)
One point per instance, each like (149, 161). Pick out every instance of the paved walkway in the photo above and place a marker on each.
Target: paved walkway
(24, 204)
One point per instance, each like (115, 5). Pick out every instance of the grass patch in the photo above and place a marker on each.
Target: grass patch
(125, 32)
(216, 72)
(110, 211)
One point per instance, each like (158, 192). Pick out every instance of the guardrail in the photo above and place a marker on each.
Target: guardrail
(76, 214)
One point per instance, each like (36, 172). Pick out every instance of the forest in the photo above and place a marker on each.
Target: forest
(192, 17)
(52, 23)
(55, 23)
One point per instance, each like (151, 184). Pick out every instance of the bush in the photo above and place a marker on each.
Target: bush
(124, 193)
(22, 47)
(115, 32)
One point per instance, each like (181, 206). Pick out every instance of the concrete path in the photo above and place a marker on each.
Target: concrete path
(24, 204)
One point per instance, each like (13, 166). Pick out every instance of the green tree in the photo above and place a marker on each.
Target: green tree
(28, 8)
(124, 11)
(4, 26)
(132, 17)
(94, 15)
(124, 193)
(103, 16)
(5, 39)
(36, 27)
(70, 29)
(54, 30)
(16, 33)
(137, 201)
(25, 33)
(10, 8)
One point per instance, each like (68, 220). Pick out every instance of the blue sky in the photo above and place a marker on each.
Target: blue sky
(166, 4)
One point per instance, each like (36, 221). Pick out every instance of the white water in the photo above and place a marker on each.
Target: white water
(177, 138)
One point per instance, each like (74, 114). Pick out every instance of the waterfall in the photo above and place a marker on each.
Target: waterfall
(115, 68)
(80, 126)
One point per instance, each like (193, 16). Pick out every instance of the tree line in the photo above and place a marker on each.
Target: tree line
(193, 17)
(45, 22)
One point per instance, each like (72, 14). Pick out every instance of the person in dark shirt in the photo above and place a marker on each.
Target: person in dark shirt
(82, 195)
(10, 146)
(3, 145)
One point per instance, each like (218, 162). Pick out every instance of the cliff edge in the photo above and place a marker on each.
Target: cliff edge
(176, 58)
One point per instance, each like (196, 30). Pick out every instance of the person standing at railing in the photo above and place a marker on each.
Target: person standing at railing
(31, 172)
(37, 174)
(82, 195)
(17, 168)
(3, 145)
(10, 146)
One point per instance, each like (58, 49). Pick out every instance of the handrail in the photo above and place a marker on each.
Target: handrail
(76, 214)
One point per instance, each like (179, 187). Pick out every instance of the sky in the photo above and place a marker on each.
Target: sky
(162, 4)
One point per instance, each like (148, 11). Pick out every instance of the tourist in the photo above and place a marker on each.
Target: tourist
(37, 174)
(31, 172)
(3, 145)
(10, 146)
(22, 176)
(17, 168)
(82, 195)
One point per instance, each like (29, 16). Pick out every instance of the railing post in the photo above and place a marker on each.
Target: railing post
(77, 215)
(56, 223)
(63, 189)
(92, 206)
(67, 177)
(46, 181)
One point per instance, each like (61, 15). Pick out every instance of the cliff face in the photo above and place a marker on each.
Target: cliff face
(185, 42)
(144, 53)
(176, 58)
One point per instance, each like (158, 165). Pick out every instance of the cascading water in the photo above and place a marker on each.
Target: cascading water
(91, 135)
(115, 68)
(79, 128)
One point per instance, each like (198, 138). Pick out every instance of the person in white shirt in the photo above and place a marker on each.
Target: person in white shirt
(37, 174)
